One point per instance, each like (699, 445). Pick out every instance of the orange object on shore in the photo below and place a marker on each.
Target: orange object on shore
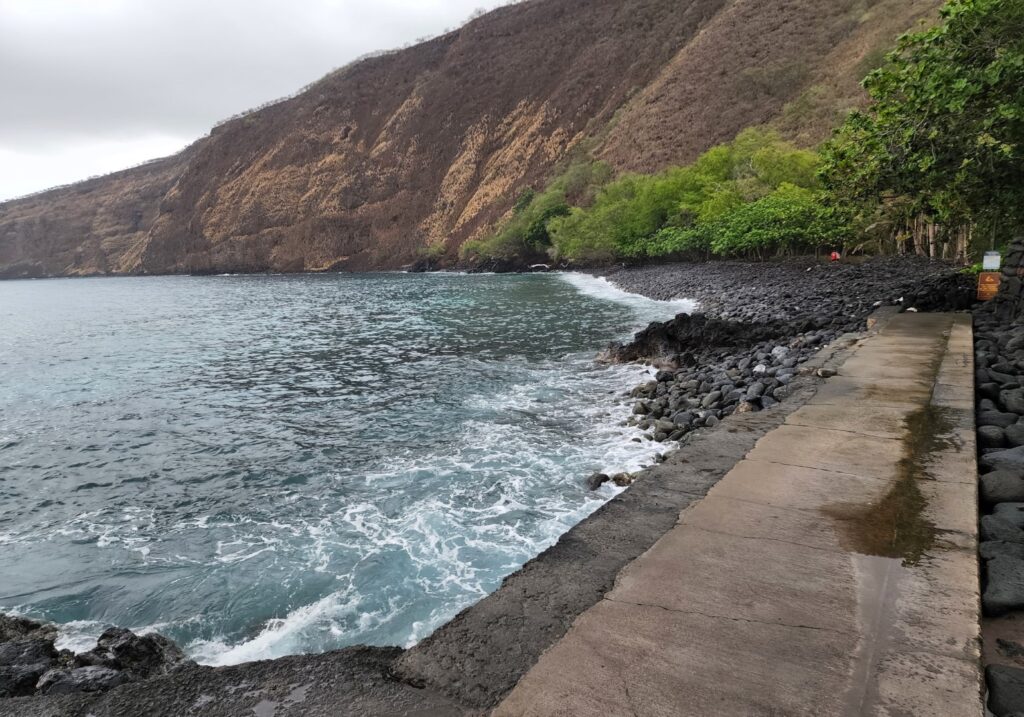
(835, 256)
(988, 284)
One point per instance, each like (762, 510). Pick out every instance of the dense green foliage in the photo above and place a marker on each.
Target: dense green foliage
(525, 234)
(942, 142)
(755, 196)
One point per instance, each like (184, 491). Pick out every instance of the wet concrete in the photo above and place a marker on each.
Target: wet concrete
(830, 572)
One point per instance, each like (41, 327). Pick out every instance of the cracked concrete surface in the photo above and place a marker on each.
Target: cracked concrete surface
(832, 571)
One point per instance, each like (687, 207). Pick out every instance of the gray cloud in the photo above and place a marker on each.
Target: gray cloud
(88, 84)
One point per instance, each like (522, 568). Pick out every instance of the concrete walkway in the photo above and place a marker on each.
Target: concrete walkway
(833, 571)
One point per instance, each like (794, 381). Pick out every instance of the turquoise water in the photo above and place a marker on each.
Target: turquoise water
(261, 466)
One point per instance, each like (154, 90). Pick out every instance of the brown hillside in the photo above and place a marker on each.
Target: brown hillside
(430, 145)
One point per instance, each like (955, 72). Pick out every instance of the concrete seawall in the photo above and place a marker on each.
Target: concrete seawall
(832, 571)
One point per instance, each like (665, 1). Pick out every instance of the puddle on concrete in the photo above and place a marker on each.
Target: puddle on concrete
(895, 526)
(877, 589)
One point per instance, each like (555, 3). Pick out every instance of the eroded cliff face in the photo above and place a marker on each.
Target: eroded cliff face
(431, 145)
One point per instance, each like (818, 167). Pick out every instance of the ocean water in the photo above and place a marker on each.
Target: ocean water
(267, 465)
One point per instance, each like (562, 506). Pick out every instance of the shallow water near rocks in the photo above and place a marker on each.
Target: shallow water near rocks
(261, 466)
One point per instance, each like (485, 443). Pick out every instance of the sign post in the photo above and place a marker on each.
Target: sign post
(988, 285)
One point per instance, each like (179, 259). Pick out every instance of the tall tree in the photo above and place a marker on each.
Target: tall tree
(943, 139)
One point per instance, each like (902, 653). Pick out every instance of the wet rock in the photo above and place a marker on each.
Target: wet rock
(142, 655)
(20, 680)
(1005, 690)
(826, 372)
(27, 651)
(16, 628)
(665, 426)
(597, 480)
(624, 480)
(80, 679)
(711, 399)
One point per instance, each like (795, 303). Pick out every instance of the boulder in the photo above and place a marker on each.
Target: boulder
(711, 399)
(988, 390)
(16, 628)
(20, 680)
(597, 480)
(755, 390)
(1005, 690)
(683, 418)
(30, 651)
(623, 480)
(1012, 400)
(1014, 435)
(1009, 459)
(663, 425)
(991, 437)
(1004, 589)
(1004, 524)
(80, 679)
(990, 549)
(996, 418)
(1002, 487)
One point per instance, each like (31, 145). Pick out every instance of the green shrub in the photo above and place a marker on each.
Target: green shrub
(525, 234)
(789, 219)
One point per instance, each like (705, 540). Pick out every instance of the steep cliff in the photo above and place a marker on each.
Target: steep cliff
(430, 146)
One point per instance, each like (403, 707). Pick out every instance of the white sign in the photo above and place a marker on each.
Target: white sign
(992, 261)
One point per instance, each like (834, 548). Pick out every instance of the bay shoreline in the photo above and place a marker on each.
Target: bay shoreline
(767, 330)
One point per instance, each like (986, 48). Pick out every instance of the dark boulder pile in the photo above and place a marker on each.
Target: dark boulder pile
(712, 369)
(842, 293)
(31, 664)
(999, 386)
(759, 323)
(999, 393)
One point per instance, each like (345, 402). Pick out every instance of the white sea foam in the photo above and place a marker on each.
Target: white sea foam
(647, 309)
(79, 635)
(440, 538)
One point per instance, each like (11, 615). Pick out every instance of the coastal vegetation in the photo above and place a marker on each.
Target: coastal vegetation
(938, 157)
(932, 166)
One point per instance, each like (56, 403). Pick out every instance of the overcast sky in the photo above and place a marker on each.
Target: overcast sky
(92, 86)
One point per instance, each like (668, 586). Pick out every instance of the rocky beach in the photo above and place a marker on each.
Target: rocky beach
(758, 324)
(739, 365)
